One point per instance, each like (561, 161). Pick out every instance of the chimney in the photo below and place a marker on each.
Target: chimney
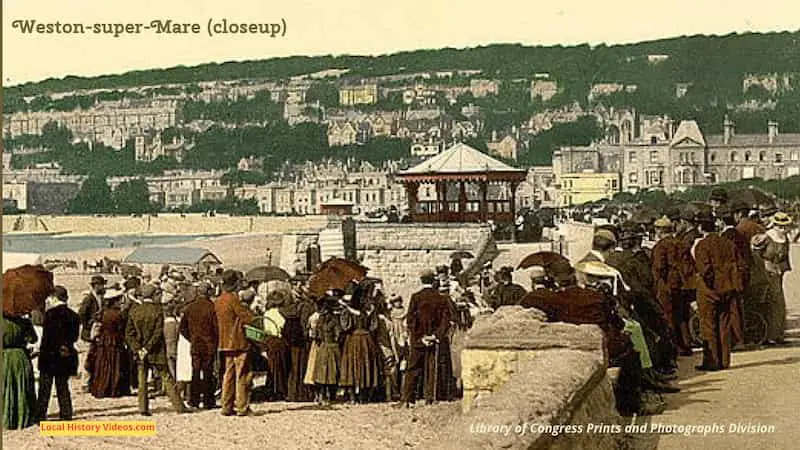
(728, 128)
(772, 128)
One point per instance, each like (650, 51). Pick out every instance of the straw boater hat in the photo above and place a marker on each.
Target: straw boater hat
(781, 219)
(602, 270)
(605, 234)
(663, 222)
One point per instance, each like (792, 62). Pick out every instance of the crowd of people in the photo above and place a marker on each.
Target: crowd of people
(200, 339)
(190, 337)
(639, 281)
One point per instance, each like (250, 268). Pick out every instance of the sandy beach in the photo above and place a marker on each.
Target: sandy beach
(241, 252)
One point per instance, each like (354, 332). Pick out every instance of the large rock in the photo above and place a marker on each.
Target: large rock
(517, 328)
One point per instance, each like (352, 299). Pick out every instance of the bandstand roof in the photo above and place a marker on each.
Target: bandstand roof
(463, 162)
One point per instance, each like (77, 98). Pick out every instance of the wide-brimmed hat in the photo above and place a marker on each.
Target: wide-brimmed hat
(718, 195)
(97, 279)
(561, 271)
(781, 219)
(606, 234)
(703, 216)
(148, 291)
(663, 222)
(230, 279)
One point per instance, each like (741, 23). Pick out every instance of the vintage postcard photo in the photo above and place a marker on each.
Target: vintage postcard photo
(416, 224)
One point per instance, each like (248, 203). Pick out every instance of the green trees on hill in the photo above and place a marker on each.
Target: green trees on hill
(96, 197)
(579, 133)
(259, 109)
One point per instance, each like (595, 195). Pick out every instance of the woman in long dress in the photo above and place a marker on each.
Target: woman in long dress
(327, 358)
(19, 401)
(361, 370)
(296, 314)
(773, 248)
(109, 364)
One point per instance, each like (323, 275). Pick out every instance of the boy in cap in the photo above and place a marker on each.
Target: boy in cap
(58, 359)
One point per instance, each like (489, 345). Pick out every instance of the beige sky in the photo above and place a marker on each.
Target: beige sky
(317, 27)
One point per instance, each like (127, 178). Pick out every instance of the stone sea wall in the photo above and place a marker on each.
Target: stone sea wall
(529, 384)
(397, 253)
(163, 223)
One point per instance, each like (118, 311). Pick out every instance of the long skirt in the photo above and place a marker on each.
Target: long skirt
(277, 351)
(326, 365)
(111, 373)
(183, 367)
(360, 361)
(775, 308)
(312, 361)
(297, 390)
(19, 402)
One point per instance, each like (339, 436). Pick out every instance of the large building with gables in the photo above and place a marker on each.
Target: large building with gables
(671, 158)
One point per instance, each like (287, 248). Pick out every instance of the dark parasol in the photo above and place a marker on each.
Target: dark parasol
(754, 197)
(461, 254)
(25, 289)
(335, 273)
(541, 259)
(267, 273)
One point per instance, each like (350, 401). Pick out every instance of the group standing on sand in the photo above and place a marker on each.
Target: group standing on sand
(353, 344)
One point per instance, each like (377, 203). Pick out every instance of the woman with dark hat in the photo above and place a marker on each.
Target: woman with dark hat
(327, 333)
(110, 362)
(275, 346)
(360, 356)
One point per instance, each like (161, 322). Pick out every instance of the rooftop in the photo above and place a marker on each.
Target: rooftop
(460, 158)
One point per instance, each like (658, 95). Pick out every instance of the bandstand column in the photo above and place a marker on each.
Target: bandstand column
(513, 211)
(484, 186)
(462, 201)
(411, 193)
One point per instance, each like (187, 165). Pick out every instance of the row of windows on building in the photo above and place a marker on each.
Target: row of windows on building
(734, 156)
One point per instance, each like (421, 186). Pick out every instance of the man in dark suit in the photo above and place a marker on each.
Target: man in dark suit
(89, 312)
(686, 234)
(507, 293)
(58, 359)
(199, 326)
(428, 319)
(145, 336)
(745, 254)
(719, 281)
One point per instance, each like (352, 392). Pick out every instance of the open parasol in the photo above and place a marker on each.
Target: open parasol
(335, 273)
(543, 259)
(754, 197)
(25, 289)
(461, 254)
(267, 273)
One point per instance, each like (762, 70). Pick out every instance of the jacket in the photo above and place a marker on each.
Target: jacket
(200, 327)
(145, 329)
(720, 269)
(90, 306)
(232, 316)
(57, 354)
(428, 314)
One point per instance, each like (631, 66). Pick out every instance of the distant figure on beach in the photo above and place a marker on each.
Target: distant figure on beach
(269, 256)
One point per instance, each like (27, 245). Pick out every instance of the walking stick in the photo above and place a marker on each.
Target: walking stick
(435, 369)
